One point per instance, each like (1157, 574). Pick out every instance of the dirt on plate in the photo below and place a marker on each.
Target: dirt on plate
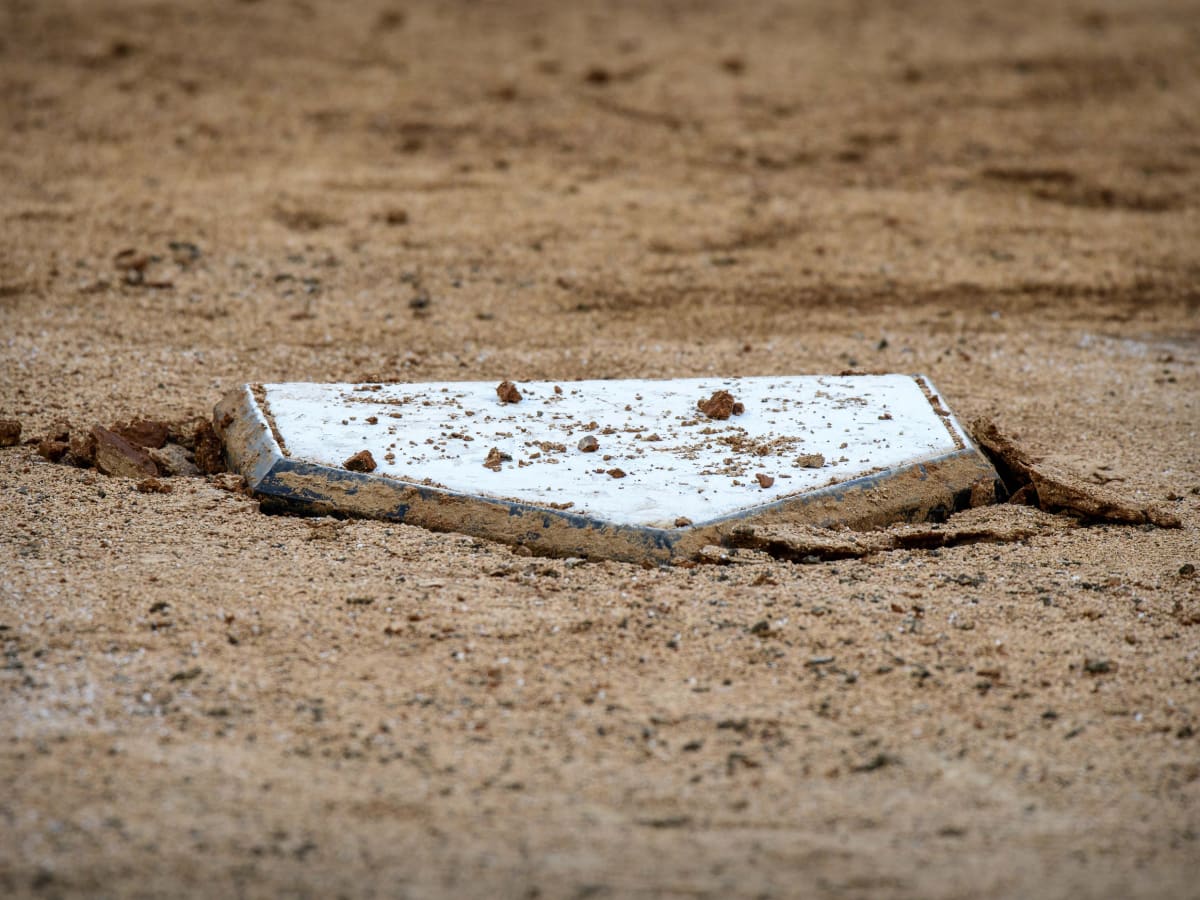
(200, 698)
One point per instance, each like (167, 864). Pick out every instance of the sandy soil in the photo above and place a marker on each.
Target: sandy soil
(197, 698)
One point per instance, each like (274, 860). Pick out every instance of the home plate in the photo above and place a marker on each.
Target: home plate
(630, 470)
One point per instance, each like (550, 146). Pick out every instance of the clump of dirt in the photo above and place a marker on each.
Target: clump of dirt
(362, 461)
(495, 459)
(153, 486)
(744, 445)
(208, 450)
(83, 448)
(764, 480)
(52, 450)
(507, 392)
(809, 461)
(1034, 482)
(588, 444)
(174, 460)
(145, 433)
(616, 472)
(10, 432)
(119, 457)
(141, 448)
(720, 405)
(985, 525)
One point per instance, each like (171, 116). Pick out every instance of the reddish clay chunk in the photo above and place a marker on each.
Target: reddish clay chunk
(116, 456)
(720, 405)
(507, 392)
(362, 461)
(145, 433)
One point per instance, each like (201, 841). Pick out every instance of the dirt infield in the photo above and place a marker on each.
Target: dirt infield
(198, 698)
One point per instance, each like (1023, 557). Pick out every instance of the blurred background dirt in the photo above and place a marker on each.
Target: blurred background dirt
(200, 699)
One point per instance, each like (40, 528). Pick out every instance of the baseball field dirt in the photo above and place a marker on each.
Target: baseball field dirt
(198, 698)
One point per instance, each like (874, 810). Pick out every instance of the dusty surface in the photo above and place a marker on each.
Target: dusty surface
(198, 698)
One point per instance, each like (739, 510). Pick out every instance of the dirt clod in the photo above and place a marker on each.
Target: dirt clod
(209, 452)
(1054, 488)
(10, 432)
(153, 486)
(173, 460)
(496, 459)
(764, 480)
(83, 448)
(53, 450)
(507, 392)
(810, 461)
(118, 457)
(145, 433)
(362, 461)
(589, 444)
(615, 472)
(720, 405)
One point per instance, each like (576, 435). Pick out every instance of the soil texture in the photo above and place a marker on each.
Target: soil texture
(198, 698)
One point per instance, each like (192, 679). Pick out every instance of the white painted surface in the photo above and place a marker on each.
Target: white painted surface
(443, 432)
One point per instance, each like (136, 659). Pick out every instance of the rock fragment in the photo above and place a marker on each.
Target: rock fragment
(589, 444)
(764, 480)
(810, 461)
(116, 456)
(362, 461)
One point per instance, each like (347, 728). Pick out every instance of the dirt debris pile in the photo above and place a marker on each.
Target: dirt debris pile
(1052, 488)
(983, 525)
(1042, 498)
(143, 449)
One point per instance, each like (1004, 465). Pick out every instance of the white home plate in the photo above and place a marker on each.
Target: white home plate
(622, 469)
